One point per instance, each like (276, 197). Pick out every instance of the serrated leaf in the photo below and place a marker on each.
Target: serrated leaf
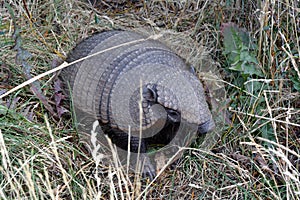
(246, 56)
(236, 66)
(251, 69)
(240, 50)
(296, 83)
(245, 38)
(231, 42)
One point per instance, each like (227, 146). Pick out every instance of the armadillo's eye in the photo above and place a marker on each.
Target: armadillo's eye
(173, 115)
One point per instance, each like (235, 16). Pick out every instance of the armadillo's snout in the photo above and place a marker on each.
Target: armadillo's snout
(206, 127)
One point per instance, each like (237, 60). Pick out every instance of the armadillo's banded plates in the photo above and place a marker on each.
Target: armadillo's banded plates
(102, 85)
(83, 49)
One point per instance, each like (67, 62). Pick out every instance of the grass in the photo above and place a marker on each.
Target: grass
(256, 155)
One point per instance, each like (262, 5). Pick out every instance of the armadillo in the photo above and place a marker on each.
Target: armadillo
(136, 84)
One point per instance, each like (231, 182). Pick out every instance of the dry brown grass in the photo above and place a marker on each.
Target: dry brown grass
(257, 155)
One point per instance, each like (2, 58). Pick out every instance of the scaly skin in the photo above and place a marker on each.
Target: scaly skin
(107, 87)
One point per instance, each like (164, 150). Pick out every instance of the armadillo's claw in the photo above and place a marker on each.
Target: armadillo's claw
(148, 170)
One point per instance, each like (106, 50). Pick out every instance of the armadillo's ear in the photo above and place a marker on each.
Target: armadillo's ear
(173, 115)
(150, 93)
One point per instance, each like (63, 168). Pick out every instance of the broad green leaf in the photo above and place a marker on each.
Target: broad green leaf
(240, 50)
(296, 83)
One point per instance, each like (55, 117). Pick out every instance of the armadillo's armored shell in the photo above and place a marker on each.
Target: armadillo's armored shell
(134, 84)
(103, 85)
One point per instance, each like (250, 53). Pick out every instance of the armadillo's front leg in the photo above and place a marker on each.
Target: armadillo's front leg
(148, 169)
(120, 139)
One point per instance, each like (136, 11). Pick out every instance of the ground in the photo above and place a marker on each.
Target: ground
(254, 48)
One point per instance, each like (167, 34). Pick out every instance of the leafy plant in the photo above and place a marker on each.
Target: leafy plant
(240, 50)
(296, 82)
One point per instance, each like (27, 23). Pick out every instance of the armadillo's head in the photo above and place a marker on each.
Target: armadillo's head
(182, 103)
(164, 101)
